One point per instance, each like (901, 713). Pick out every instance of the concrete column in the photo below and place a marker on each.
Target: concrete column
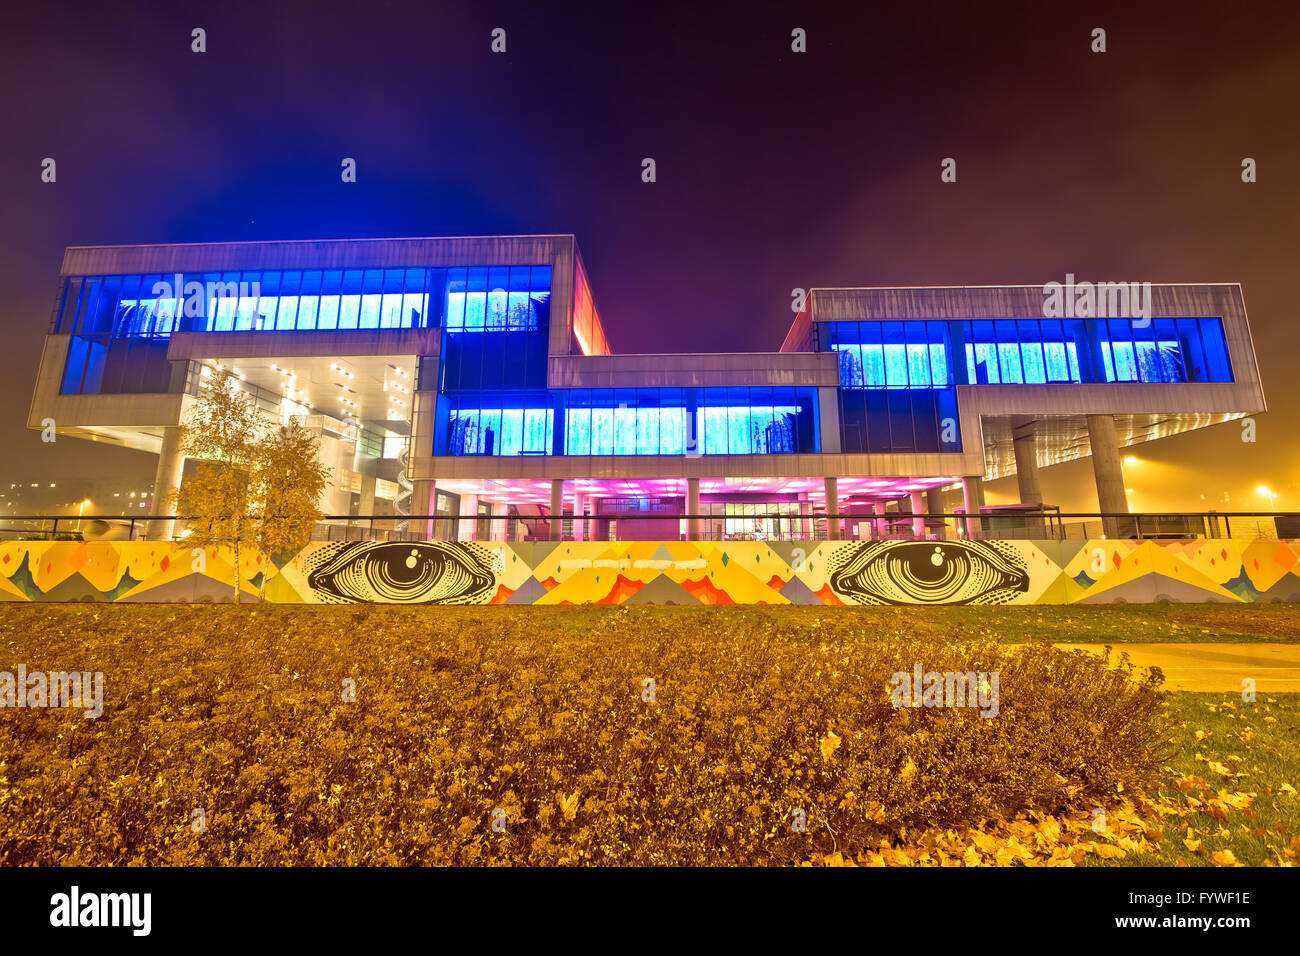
(366, 503)
(828, 420)
(1109, 472)
(557, 508)
(422, 507)
(934, 505)
(972, 496)
(468, 524)
(879, 524)
(166, 481)
(832, 508)
(693, 509)
(918, 508)
(579, 521)
(1023, 439)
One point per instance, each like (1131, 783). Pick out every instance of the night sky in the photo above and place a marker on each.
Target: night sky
(775, 170)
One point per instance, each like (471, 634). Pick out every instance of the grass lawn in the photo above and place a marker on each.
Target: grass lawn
(1087, 624)
(544, 715)
(1248, 753)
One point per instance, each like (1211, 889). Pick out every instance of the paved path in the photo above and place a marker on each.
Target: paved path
(1214, 666)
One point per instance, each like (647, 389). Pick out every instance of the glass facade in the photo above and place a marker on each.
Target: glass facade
(940, 353)
(897, 379)
(155, 306)
(762, 521)
(634, 421)
(504, 424)
(120, 324)
(671, 421)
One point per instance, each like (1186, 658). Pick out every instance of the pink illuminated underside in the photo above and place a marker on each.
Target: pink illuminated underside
(532, 491)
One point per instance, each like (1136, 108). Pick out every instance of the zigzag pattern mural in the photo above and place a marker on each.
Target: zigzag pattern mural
(665, 572)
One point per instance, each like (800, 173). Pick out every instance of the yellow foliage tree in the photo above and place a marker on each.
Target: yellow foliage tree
(287, 481)
(254, 484)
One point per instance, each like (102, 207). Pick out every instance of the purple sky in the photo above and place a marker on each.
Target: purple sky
(775, 170)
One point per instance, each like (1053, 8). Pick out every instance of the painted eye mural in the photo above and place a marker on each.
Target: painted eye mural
(923, 572)
(390, 572)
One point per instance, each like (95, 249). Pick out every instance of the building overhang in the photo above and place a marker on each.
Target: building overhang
(1058, 415)
(426, 252)
(631, 467)
(697, 370)
(219, 346)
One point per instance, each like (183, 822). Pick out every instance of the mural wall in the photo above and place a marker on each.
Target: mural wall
(665, 572)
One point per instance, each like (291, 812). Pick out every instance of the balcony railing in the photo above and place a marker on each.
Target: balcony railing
(760, 526)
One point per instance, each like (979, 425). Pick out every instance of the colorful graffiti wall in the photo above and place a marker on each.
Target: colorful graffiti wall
(665, 572)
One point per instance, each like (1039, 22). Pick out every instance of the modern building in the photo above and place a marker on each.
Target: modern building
(472, 379)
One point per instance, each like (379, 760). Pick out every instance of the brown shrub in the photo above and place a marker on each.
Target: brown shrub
(538, 712)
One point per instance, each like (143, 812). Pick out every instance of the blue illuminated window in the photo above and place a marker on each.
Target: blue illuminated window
(101, 311)
(498, 299)
(890, 355)
(640, 422)
(507, 430)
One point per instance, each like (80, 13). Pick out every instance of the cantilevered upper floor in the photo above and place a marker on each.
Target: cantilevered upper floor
(486, 358)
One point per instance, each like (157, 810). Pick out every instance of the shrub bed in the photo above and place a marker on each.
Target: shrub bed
(541, 714)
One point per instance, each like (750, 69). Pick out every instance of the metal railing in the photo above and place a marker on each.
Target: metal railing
(770, 526)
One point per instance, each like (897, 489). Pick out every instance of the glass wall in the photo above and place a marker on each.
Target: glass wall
(501, 424)
(645, 421)
(675, 421)
(763, 521)
(477, 297)
(921, 354)
(113, 319)
(500, 298)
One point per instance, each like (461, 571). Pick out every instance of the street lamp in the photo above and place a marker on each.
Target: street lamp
(1269, 494)
(81, 510)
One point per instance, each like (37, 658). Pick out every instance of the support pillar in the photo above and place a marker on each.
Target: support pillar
(972, 496)
(693, 509)
(934, 506)
(880, 523)
(1023, 440)
(166, 482)
(500, 522)
(832, 509)
(579, 517)
(366, 503)
(557, 508)
(467, 526)
(422, 507)
(918, 514)
(1109, 472)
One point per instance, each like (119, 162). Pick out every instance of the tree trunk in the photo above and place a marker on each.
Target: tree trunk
(236, 571)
